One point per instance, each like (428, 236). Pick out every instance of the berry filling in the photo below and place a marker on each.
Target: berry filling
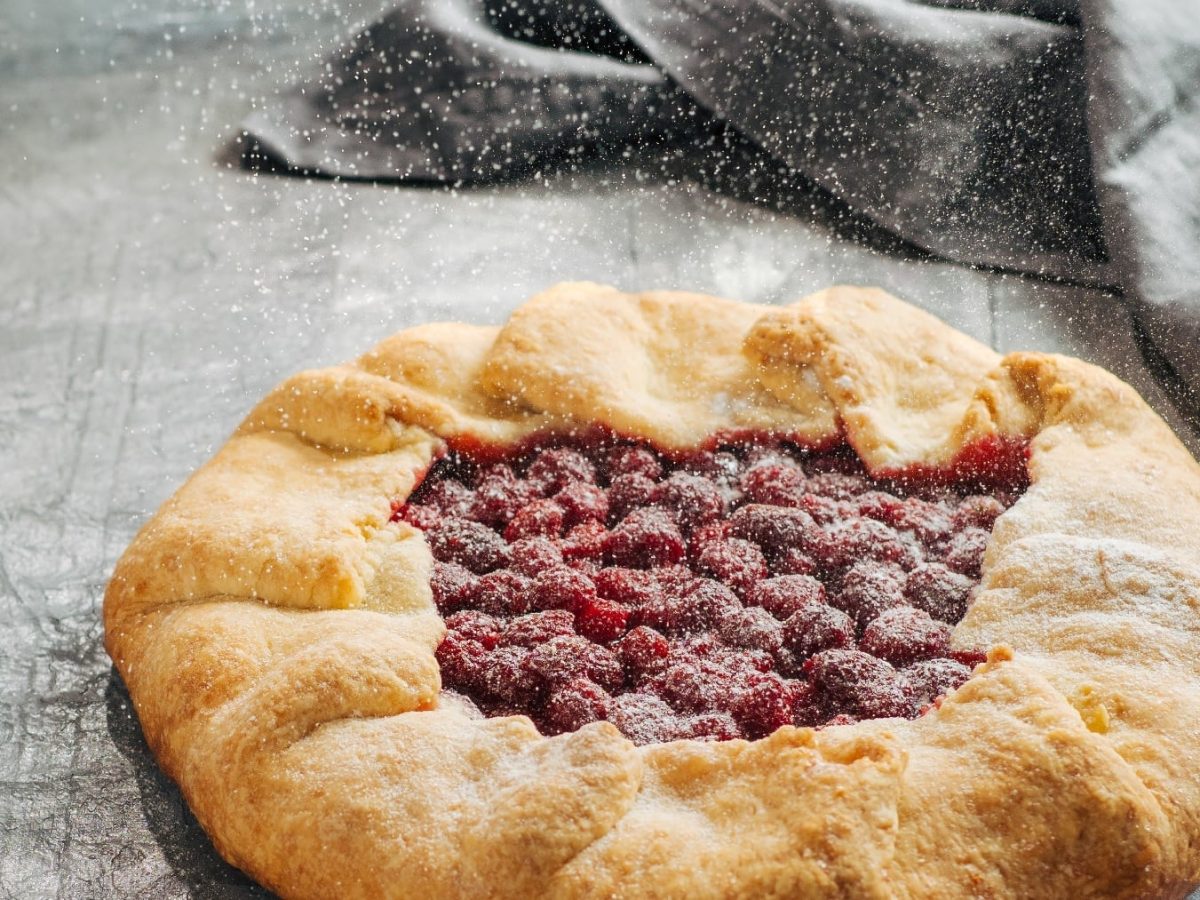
(716, 597)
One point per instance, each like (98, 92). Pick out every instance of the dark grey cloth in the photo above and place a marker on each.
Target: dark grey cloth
(1042, 136)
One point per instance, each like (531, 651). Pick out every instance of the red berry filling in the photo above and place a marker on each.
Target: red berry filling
(715, 598)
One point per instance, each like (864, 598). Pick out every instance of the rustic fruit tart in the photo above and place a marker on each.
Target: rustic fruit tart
(666, 595)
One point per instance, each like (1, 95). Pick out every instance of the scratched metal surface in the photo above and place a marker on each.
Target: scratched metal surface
(148, 296)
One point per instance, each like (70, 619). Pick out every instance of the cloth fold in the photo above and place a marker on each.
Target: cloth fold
(1052, 137)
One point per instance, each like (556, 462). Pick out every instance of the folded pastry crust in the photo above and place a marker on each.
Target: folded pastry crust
(277, 633)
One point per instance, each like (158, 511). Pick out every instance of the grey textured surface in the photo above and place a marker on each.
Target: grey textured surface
(149, 296)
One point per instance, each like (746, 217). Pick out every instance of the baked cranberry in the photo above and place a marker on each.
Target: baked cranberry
(738, 563)
(507, 677)
(784, 594)
(793, 561)
(452, 585)
(423, 517)
(532, 556)
(706, 534)
(904, 634)
(562, 658)
(807, 711)
(933, 678)
(463, 661)
(642, 650)
(938, 590)
(627, 493)
(778, 484)
(470, 544)
(499, 496)
(928, 521)
(541, 518)
(814, 628)
(713, 727)
(577, 703)
(752, 628)
(554, 469)
(698, 609)
(449, 497)
(586, 540)
(645, 538)
(561, 588)
(602, 621)
(634, 461)
(775, 529)
(471, 624)
(964, 553)
(537, 628)
(646, 719)
(978, 511)
(694, 500)
(859, 684)
(502, 592)
(582, 502)
(836, 485)
(842, 543)
(687, 686)
(762, 703)
(632, 587)
(869, 588)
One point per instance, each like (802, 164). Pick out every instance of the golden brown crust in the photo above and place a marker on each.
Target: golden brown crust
(277, 634)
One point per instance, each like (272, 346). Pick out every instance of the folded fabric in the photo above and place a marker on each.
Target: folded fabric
(1043, 136)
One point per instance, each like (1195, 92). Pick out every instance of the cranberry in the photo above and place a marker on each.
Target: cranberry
(498, 497)
(423, 517)
(752, 628)
(602, 621)
(562, 658)
(930, 522)
(842, 543)
(646, 538)
(700, 608)
(938, 590)
(904, 634)
(777, 485)
(979, 511)
(859, 684)
(582, 502)
(933, 678)
(473, 625)
(557, 467)
(868, 589)
(694, 500)
(634, 461)
(686, 686)
(713, 532)
(763, 703)
(836, 485)
(627, 493)
(532, 556)
(541, 518)
(629, 586)
(783, 595)
(738, 563)
(502, 592)
(451, 498)
(452, 585)
(814, 628)
(964, 554)
(467, 543)
(713, 727)
(774, 528)
(642, 650)
(793, 561)
(585, 541)
(575, 704)
(646, 719)
(463, 661)
(507, 677)
(537, 628)
(561, 588)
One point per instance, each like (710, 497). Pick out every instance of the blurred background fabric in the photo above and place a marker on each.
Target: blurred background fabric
(1058, 138)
